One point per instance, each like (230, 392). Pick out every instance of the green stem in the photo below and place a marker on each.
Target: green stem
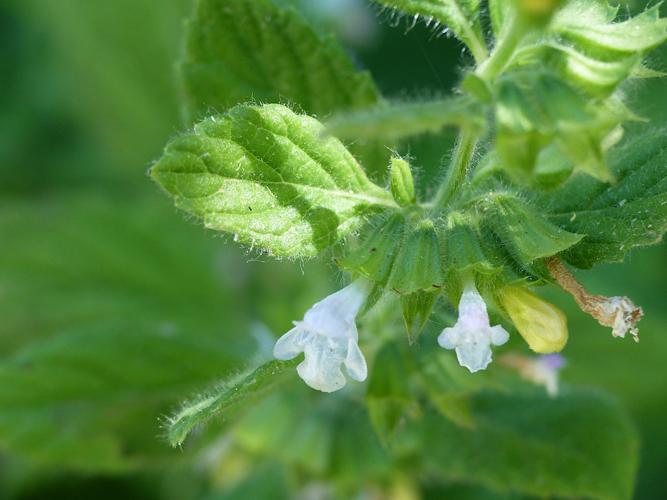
(458, 169)
(510, 37)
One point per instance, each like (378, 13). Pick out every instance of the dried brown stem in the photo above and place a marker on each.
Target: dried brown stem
(618, 313)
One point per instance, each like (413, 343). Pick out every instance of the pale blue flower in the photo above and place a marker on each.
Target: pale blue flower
(328, 337)
(472, 335)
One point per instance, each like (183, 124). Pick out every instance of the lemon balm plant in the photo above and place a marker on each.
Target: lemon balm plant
(293, 153)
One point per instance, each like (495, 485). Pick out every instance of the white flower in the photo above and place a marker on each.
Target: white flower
(472, 335)
(328, 338)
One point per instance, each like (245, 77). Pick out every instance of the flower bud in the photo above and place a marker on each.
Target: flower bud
(538, 10)
(541, 324)
(401, 182)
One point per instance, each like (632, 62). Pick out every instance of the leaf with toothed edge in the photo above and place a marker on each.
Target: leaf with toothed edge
(270, 177)
(462, 17)
(257, 50)
(619, 217)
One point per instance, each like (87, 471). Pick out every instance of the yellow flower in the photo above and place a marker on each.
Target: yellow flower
(541, 324)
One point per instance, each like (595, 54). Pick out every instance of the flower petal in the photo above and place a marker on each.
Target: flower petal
(475, 356)
(289, 345)
(449, 338)
(499, 335)
(355, 363)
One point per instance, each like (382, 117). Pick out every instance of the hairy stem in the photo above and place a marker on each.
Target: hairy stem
(507, 42)
(458, 169)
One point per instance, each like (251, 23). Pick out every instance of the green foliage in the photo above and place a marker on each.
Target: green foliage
(525, 235)
(580, 445)
(462, 17)
(617, 218)
(271, 178)
(239, 50)
(417, 265)
(113, 74)
(389, 394)
(256, 50)
(229, 396)
(108, 343)
(590, 25)
(586, 47)
(113, 309)
(499, 11)
(535, 109)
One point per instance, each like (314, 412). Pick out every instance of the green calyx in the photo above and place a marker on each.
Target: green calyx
(541, 106)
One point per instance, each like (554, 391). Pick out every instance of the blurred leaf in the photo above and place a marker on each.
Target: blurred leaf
(447, 386)
(227, 397)
(462, 17)
(388, 396)
(536, 108)
(97, 336)
(265, 481)
(115, 62)
(616, 218)
(577, 446)
(586, 47)
(255, 50)
(589, 24)
(391, 121)
(269, 177)
(322, 436)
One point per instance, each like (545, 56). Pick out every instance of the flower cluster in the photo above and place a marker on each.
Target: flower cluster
(328, 336)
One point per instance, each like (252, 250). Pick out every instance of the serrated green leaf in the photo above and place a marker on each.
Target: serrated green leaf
(271, 178)
(462, 17)
(239, 50)
(257, 50)
(230, 396)
(580, 445)
(617, 218)
(392, 121)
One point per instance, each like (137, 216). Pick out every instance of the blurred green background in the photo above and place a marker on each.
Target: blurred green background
(96, 264)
